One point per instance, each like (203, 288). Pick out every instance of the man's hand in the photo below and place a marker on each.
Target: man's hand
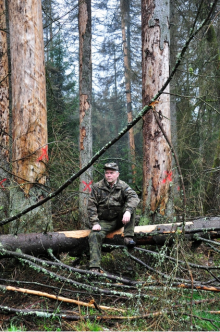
(126, 217)
(96, 227)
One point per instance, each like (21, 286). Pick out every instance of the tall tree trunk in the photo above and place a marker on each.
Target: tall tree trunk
(157, 172)
(173, 113)
(212, 202)
(125, 7)
(29, 116)
(4, 114)
(85, 108)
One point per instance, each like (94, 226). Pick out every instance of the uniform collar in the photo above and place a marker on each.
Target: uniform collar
(114, 185)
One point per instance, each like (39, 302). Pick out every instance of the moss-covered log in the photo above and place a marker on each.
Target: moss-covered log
(76, 242)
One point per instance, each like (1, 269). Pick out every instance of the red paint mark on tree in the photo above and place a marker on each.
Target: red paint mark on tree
(178, 188)
(2, 184)
(44, 154)
(168, 177)
(87, 185)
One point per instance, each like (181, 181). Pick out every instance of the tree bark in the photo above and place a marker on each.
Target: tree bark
(29, 115)
(76, 242)
(4, 115)
(157, 173)
(127, 65)
(85, 108)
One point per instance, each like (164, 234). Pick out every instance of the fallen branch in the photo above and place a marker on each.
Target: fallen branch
(196, 266)
(201, 287)
(207, 241)
(21, 312)
(91, 304)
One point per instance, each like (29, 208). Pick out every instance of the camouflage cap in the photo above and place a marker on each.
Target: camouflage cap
(113, 166)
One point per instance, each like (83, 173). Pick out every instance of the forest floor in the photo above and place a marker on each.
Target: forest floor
(159, 306)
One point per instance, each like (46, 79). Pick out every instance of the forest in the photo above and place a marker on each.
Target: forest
(84, 83)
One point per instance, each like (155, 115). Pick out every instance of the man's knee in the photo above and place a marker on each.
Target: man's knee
(95, 236)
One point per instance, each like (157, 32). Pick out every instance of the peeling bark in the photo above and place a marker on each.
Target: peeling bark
(157, 172)
(4, 114)
(85, 109)
(29, 114)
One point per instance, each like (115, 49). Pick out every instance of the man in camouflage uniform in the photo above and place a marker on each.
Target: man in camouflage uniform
(111, 205)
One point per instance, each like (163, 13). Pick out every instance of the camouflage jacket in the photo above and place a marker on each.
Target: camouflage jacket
(107, 203)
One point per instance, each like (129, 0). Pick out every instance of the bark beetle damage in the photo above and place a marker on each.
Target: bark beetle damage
(83, 17)
(29, 96)
(82, 136)
(155, 63)
(84, 106)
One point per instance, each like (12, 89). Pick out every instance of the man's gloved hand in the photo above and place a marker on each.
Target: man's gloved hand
(126, 217)
(96, 227)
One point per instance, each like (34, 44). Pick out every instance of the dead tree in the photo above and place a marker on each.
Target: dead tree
(85, 101)
(29, 116)
(125, 7)
(157, 172)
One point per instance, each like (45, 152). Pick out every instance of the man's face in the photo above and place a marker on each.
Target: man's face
(111, 176)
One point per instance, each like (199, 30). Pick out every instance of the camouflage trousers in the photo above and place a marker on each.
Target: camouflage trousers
(96, 237)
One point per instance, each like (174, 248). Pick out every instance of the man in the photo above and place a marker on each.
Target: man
(111, 205)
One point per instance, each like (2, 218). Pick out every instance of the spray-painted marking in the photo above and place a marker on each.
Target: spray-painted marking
(168, 177)
(87, 185)
(2, 182)
(44, 154)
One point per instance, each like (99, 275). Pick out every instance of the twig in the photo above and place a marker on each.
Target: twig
(191, 277)
(211, 246)
(206, 319)
(207, 241)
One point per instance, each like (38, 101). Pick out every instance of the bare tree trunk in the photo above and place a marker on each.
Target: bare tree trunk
(85, 99)
(127, 65)
(4, 114)
(157, 172)
(29, 146)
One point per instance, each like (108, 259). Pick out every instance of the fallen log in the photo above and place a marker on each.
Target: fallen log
(76, 242)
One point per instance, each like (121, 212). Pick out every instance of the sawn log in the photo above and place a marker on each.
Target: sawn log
(76, 242)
